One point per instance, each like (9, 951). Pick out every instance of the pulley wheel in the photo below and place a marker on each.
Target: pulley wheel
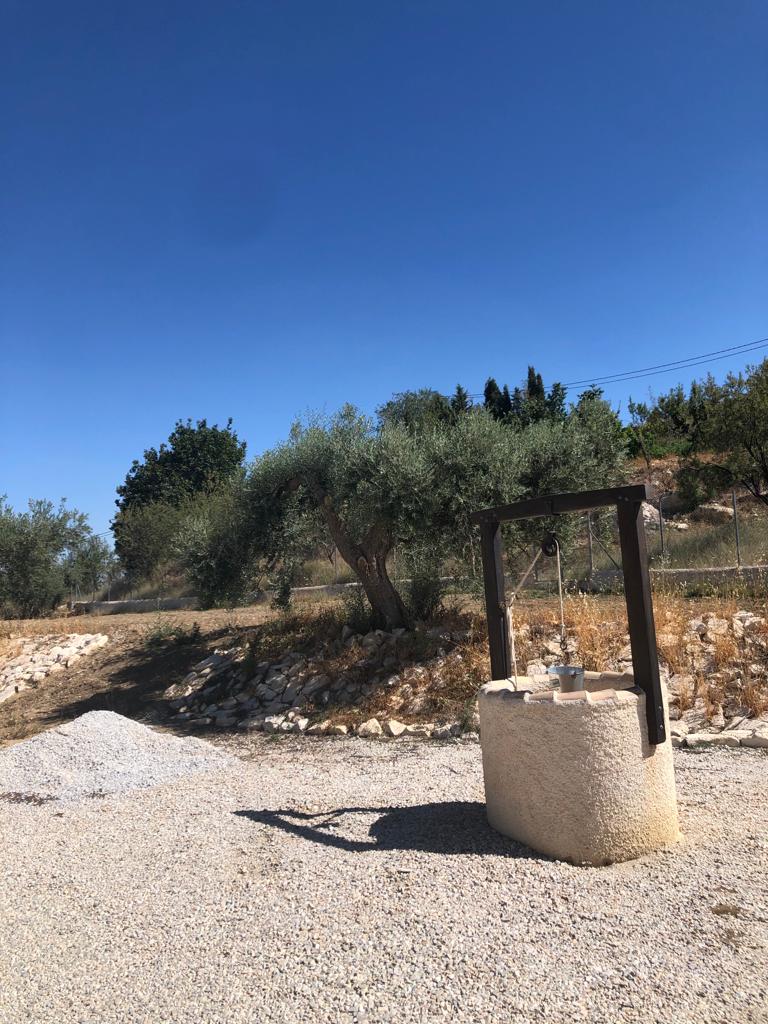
(549, 545)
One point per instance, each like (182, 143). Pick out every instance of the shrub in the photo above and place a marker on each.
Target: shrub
(358, 614)
(424, 590)
(163, 631)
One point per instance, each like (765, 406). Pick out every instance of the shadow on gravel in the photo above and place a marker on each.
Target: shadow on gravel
(453, 827)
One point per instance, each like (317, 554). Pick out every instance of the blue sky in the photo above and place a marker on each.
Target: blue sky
(252, 209)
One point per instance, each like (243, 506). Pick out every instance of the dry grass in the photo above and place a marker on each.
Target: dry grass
(214, 620)
(436, 678)
(713, 694)
(600, 637)
(9, 647)
(672, 617)
(450, 688)
(686, 693)
(754, 697)
(725, 652)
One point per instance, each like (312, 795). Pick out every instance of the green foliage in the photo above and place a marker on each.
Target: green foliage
(373, 487)
(424, 589)
(89, 564)
(493, 400)
(196, 460)
(213, 544)
(585, 450)
(357, 611)
(670, 426)
(527, 404)
(698, 481)
(460, 401)
(146, 539)
(283, 584)
(734, 429)
(417, 411)
(163, 631)
(720, 430)
(41, 553)
(554, 403)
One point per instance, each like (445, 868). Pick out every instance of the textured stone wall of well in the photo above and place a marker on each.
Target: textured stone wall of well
(573, 775)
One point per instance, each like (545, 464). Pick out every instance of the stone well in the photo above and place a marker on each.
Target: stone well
(572, 775)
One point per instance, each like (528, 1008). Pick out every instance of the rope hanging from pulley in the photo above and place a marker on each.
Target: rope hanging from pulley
(550, 546)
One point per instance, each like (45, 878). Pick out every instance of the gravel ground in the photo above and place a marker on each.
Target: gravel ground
(101, 753)
(344, 880)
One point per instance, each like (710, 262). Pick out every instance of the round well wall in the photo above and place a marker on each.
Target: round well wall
(573, 776)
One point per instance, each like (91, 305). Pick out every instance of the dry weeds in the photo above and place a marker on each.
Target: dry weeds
(600, 638)
(725, 652)
(713, 694)
(687, 689)
(754, 697)
(433, 678)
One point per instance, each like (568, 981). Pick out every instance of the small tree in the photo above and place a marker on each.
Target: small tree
(370, 489)
(531, 403)
(555, 402)
(214, 545)
(460, 401)
(733, 428)
(196, 459)
(416, 410)
(88, 565)
(146, 536)
(35, 547)
(493, 399)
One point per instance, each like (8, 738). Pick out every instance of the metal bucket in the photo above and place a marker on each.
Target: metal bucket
(570, 677)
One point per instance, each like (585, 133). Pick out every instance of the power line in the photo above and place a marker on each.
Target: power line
(678, 364)
(646, 371)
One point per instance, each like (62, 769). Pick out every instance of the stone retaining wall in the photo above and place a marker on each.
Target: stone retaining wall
(43, 656)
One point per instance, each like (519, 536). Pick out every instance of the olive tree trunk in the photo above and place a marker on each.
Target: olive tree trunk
(384, 599)
(368, 560)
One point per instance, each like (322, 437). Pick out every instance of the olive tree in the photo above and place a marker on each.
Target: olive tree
(36, 549)
(89, 564)
(372, 489)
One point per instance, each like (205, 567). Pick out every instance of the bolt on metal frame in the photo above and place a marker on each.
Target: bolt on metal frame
(637, 584)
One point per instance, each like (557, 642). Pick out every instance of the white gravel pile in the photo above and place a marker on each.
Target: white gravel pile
(98, 754)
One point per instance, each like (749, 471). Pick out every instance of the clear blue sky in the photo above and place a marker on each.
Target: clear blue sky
(251, 209)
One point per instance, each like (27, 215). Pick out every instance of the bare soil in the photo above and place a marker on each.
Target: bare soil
(127, 676)
(149, 652)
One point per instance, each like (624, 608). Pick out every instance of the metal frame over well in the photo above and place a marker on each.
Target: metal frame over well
(637, 584)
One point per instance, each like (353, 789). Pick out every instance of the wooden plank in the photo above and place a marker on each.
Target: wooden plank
(495, 599)
(560, 504)
(642, 632)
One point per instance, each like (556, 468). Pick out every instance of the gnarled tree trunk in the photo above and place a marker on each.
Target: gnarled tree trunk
(384, 599)
(368, 560)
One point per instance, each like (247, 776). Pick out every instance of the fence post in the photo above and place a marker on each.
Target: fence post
(642, 632)
(661, 525)
(589, 545)
(736, 527)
